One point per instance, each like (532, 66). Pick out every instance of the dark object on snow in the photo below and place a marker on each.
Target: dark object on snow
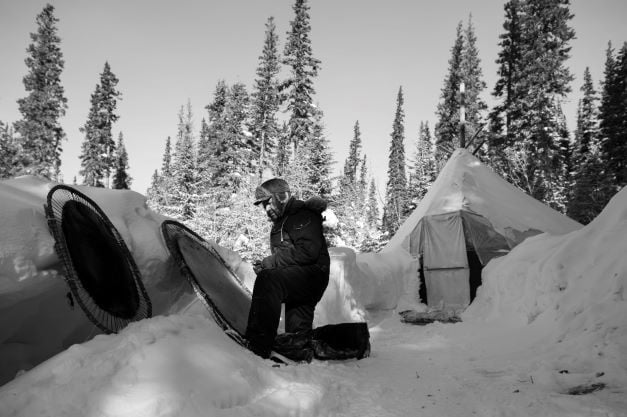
(331, 342)
(422, 318)
(341, 341)
(215, 284)
(586, 389)
(295, 346)
(99, 268)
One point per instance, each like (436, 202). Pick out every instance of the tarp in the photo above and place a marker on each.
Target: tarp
(445, 262)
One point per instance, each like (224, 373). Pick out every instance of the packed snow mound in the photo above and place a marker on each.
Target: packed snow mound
(27, 256)
(573, 287)
(161, 363)
(360, 282)
(26, 247)
(466, 184)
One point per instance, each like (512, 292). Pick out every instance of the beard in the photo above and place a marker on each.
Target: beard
(272, 214)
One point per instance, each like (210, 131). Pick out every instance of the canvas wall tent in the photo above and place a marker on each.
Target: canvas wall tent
(469, 216)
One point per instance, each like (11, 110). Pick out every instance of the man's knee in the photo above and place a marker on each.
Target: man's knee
(265, 281)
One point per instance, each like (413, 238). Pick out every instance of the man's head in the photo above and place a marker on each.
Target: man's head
(273, 195)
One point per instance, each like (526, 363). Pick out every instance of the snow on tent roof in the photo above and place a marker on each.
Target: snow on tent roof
(465, 184)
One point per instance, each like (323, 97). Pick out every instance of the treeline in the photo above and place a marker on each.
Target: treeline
(208, 172)
(524, 137)
(33, 145)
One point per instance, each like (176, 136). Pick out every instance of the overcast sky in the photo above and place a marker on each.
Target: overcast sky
(166, 52)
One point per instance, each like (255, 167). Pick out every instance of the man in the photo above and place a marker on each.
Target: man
(296, 273)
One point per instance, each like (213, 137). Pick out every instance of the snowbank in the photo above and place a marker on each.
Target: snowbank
(571, 289)
(26, 248)
(364, 282)
(176, 365)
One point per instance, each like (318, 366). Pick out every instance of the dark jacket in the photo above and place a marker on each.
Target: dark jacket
(297, 237)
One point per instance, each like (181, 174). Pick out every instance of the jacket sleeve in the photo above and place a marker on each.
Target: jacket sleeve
(307, 240)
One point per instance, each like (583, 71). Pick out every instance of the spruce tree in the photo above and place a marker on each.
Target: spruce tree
(447, 126)
(283, 151)
(423, 171)
(266, 99)
(464, 67)
(241, 150)
(548, 37)
(354, 150)
(98, 148)
(587, 196)
(229, 150)
(214, 144)
(533, 81)
(506, 115)
(348, 204)
(374, 239)
(587, 131)
(39, 130)
(184, 166)
(309, 169)
(205, 158)
(166, 164)
(372, 209)
(613, 120)
(152, 194)
(9, 151)
(320, 159)
(396, 189)
(160, 193)
(362, 184)
(121, 179)
(298, 56)
(472, 75)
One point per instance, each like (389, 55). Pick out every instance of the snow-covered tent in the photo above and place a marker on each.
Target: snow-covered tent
(469, 216)
(39, 317)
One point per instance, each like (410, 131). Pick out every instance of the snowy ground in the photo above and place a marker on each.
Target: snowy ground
(549, 321)
(184, 365)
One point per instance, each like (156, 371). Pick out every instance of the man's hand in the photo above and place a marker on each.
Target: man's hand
(257, 266)
(267, 262)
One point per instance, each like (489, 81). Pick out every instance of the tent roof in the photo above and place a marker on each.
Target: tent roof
(466, 184)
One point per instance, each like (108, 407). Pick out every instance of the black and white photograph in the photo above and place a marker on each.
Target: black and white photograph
(313, 208)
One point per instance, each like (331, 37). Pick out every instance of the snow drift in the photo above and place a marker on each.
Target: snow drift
(572, 289)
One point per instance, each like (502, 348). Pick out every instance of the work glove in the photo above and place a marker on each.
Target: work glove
(257, 266)
(261, 264)
(267, 262)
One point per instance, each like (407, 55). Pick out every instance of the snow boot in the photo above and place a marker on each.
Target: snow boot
(295, 346)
